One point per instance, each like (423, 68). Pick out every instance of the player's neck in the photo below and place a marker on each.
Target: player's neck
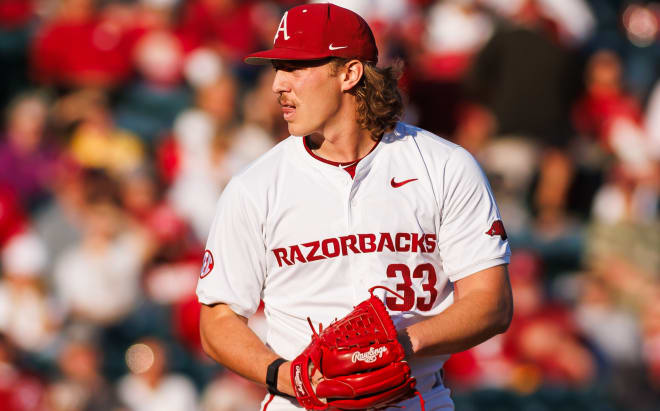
(342, 147)
(341, 139)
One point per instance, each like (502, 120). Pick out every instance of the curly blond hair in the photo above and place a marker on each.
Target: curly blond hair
(379, 101)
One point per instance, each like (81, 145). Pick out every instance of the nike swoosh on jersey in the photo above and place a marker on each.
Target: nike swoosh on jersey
(331, 47)
(400, 183)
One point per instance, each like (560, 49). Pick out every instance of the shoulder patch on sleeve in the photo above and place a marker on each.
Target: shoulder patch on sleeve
(497, 228)
(207, 264)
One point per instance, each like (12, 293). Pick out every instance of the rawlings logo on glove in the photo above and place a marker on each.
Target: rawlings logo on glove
(359, 360)
(369, 356)
(297, 380)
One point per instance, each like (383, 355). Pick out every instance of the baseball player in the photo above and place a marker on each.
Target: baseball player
(351, 200)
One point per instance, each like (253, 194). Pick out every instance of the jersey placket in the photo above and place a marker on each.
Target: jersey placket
(358, 268)
(350, 202)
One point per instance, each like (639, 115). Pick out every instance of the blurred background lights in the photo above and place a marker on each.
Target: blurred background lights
(139, 358)
(641, 25)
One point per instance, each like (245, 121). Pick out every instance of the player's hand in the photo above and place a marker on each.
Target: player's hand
(316, 379)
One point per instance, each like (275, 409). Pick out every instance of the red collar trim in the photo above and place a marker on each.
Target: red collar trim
(335, 163)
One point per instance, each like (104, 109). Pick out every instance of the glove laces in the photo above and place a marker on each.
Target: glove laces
(309, 321)
(371, 291)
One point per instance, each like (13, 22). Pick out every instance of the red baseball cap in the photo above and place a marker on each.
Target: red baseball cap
(317, 31)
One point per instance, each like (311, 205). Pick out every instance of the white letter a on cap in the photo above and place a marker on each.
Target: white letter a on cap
(282, 28)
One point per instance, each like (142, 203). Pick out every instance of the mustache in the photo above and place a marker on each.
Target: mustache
(284, 102)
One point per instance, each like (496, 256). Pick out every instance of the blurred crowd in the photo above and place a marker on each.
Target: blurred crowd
(124, 119)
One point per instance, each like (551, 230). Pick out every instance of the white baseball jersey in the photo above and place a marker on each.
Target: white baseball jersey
(309, 240)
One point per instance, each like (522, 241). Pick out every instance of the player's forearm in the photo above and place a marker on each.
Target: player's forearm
(473, 318)
(459, 328)
(227, 339)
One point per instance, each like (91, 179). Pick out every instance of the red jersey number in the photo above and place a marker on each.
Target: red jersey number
(405, 287)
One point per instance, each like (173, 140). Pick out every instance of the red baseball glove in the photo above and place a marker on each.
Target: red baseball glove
(360, 362)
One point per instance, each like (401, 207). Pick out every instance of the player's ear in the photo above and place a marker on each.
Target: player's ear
(351, 74)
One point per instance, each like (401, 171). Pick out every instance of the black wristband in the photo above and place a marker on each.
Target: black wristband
(271, 377)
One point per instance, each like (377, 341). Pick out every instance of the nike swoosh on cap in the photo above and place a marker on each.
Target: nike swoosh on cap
(331, 47)
(400, 183)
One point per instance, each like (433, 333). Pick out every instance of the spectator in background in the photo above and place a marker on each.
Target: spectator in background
(13, 219)
(203, 137)
(506, 72)
(261, 109)
(622, 259)
(59, 222)
(379, 12)
(614, 331)
(218, 99)
(154, 16)
(262, 126)
(15, 13)
(544, 343)
(627, 258)
(228, 26)
(28, 159)
(97, 281)
(142, 200)
(19, 389)
(28, 316)
(555, 232)
(651, 335)
(629, 195)
(572, 20)
(652, 122)
(149, 387)
(543, 348)
(475, 127)
(605, 101)
(149, 105)
(170, 274)
(17, 23)
(80, 385)
(81, 47)
(231, 392)
(95, 141)
(510, 163)
(456, 30)
(532, 132)
(194, 190)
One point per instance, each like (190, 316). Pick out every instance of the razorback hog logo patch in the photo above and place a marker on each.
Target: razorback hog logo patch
(497, 228)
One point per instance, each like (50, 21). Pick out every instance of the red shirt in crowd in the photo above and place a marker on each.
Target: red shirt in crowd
(595, 112)
(12, 216)
(229, 28)
(15, 13)
(90, 52)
